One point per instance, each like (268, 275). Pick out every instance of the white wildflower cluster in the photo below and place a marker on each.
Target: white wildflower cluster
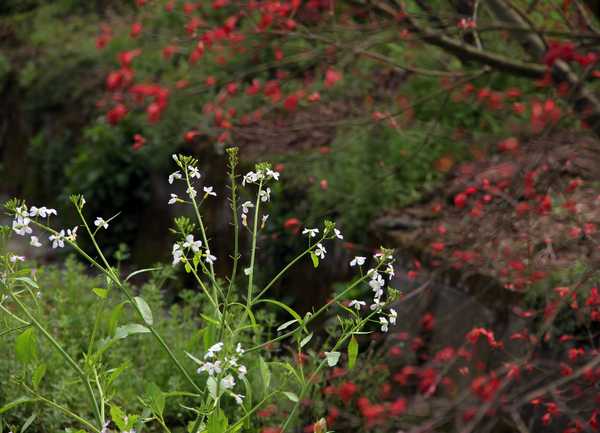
(188, 165)
(193, 245)
(23, 218)
(222, 369)
(377, 283)
(261, 174)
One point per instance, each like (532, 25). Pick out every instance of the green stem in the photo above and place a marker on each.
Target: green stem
(63, 409)
(253, 250)
(65, 355)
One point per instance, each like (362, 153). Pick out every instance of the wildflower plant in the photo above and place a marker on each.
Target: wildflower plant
(233, 378)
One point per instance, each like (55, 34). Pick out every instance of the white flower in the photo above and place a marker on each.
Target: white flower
(239, 398)
(211, 368)
(209, 257)
(272, 174)
(174, 175)
(358, 260)
(191, 192)
(377, 282)
(264, 221)
(384, 324)
(173, 199)
(194, 172)
(393, 316)
(177, 254)
(239, 350)
(320, 251)
(338, 234)
(247, 271)
(249, 177)
(208, 190)
(175, 158)
(311, 232)
(242, 371)
(377, 305)
(265, 194)
(22, 212)
(72, 234)
(245, 220)
(82, 202)
(390, 271)
(227, 382)
(191, 243)
(215, 348)
(35, 242)
(246, 206)
(58, 240)
(100, 222)
(42, 211)
(14, 258)
(21, 226)
(357, 304)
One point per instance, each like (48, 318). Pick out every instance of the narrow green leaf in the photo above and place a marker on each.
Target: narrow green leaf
(130, 329)
(15, 403)
(145, 310)
(265, 373)
(314, 259)
(352, 352)
(306, 339)
(101, 293)
(38, 375)
(286, 324)
(27, 281)
(291, 396)
(28, 422)
(141, 271)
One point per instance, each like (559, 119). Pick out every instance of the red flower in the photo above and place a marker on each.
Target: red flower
(115, 115)
(398, 407)
(460, 200)
(138, 142)
(292, 224)
(331, 77)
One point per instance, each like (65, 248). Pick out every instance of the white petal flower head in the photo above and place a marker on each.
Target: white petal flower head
(227, 382)
(212, 350)
(242, 371)
(58, 240)
(273, 174)
(35, 242)
(357, 304)
(338, 234)
(384, 324)
(249, 177)
(377, 282)
(246, 206)
(320, 251)
(209, 257)
(175, 175)
(264, 221)
(191, 243)
(377, 304)
(100, 222)
(239, 398)
(208, 190)
(14, 258)
(390, 271)
(194, 172)
(72, 234)
(21, 226)
(358, 260)
(239, 350)
(265, 194)
(310, 232)
(177, 254)
(393, 316)
(22, 211)
(191, 191)
(173, 199)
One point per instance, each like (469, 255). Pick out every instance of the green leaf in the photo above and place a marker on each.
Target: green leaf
(217, 422)
(118, 416)
(38, 375)
(315, 259)
(265, 373)
(306, 339)
(352, 352)
(285, 307)
(157, 398)
(211, 384)
(27, 281)
(291, 396)
(15, 403)
(115, 315)
(101, 293)
(286, 324)
(145, 310)
(130, 329)
(188, 268)
(332, 358)
(141, 271)
(25, 346)
(28, 422)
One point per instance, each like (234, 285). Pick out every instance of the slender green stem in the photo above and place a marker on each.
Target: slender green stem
(253, 250)
(63, 409)
(65, 355)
